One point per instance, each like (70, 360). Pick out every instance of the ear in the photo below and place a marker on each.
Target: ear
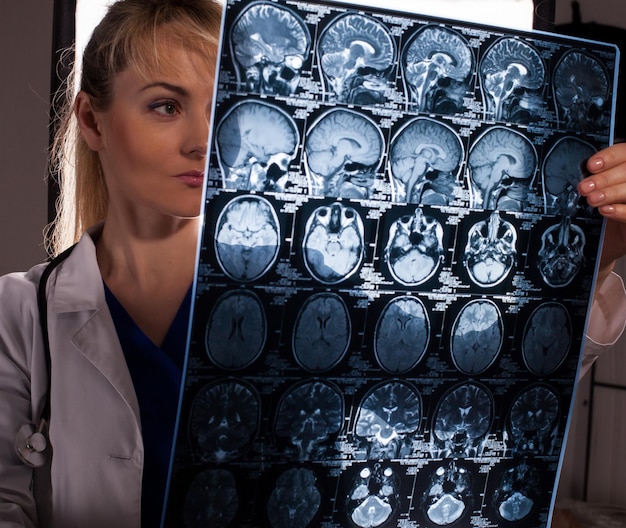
(88, 121)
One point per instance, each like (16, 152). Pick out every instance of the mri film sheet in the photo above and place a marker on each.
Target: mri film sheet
(394, 271)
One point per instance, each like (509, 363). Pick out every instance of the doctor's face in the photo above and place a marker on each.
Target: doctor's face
(154, 137)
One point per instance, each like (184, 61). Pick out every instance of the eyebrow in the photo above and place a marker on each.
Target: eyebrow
(171, 87)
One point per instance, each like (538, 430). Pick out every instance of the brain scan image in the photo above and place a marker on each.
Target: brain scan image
(563, 169)
(211, 500)
(321, 335)
(247, 238)
(561, 256)
(425, 161)
(295, 499)
(270, 44)
(308, 416)
(402, 334)
(255, 143)
(449, 494)
(333, 243)
(477, 336)
(224, 420)
(490, 251)
(388, 419)
(547, 338)
(517, 492)
(502, 164)
(236, 330)
(414, 250)
(512, 76)
(343, 151)
(582, 91)
(462, 421)
(374, 496)
(357, 56)
(436, 66)
(532, 422)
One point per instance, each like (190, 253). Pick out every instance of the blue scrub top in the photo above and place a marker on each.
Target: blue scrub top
(156, 374)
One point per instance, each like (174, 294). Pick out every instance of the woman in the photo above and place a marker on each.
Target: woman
(142, 112)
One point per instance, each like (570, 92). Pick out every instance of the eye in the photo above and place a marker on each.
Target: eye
(166, 108)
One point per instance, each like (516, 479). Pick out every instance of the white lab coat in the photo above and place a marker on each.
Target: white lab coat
(94, 477)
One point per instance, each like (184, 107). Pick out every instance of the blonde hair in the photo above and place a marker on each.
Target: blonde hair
(127, 37)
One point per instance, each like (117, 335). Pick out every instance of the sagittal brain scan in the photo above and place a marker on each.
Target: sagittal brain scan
(512, 75)
(394, 269)
(247, 238)
(270, 44)
(437, 65)
(425, 161)
(502, 164)
(343, 153)
(402, 334)
(387, 420)
(333, 244)
(356, 55)
(256, 142)
(321, 334)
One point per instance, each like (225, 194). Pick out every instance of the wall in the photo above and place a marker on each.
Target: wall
(25, 37)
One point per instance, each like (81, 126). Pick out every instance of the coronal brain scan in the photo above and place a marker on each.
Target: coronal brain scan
(563, 170)
(477, 336)
(333, 244)
(247, 237)
(212, 500)
(547, 338)
(425, 161)
(237, 324)
(308, 416)
(462, 421)
(356, 55)
(295, 499)
(437, 64)
(387, 420)
(343, 150)
(402, 334)
(512, 74)
(270, 44)
(394, 269)
(224, 419)
(449, 494)
(581, 89)
(414, 249)
(561, 255)
(502, 164)
(321, 334)
(374, 496)
(533, 422)
(255, 143)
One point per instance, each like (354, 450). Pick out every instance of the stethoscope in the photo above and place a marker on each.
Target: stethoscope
(31, 444)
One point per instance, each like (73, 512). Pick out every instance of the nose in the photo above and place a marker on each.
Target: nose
(197, 136)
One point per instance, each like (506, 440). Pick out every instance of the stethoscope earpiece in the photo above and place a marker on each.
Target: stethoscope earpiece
(31, 445)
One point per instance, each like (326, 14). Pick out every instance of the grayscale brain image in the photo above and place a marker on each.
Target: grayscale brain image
(394, 270)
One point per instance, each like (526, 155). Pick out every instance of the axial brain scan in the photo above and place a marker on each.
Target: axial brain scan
(449, 494)
(374, 496)
(295, 499)
(212, 499)
(547, 338)
(561, 255)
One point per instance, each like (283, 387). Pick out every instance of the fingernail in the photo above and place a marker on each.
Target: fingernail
(587, 186)
(596, 198)
(607, 210)
(595, 164)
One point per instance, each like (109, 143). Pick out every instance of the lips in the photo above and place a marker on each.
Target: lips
(192, 178)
